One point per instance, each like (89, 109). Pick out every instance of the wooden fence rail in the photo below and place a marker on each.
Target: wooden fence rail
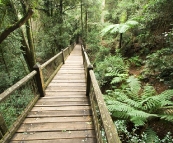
(37, 75)
(102, 119)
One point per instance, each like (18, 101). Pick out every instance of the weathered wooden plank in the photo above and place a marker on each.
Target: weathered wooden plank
(66, 93)
(69, 108)
(53, 135)
(69, 80)
(71, 72)
(80, 140)
(67, 84)
(58, 119)
(65, 88)
(65, 113)
(64, 99)
(43, 127)
(62, 103)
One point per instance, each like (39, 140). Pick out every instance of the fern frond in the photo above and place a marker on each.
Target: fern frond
(125, 99)
(141, 114)
(116, 80)
(121, 115)
(148, 91)
(150, 104)
(167, 117)
(107, 28)
(138, 121)
(168, 94)
(151, 135)
(134, 84)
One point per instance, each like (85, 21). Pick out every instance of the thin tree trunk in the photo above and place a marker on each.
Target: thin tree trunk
(82, 19)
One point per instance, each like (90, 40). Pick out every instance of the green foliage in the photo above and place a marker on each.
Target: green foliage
(128, 103)
(110, 74)
(120, 28)
(135, 61)
(15, 104)
(160, 65)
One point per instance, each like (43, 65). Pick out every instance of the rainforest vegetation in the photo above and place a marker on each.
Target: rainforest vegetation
(130, 44)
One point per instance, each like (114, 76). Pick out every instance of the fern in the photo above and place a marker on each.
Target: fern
(134, 84)
(150, 136)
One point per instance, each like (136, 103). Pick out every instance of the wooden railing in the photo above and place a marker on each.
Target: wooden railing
(104, 126)
(37, 84)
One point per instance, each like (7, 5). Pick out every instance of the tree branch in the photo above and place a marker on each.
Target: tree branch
(16, 25)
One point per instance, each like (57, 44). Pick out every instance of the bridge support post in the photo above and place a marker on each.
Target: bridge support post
(3, 127)
(89, 67)
(39, 79)
(63, 58)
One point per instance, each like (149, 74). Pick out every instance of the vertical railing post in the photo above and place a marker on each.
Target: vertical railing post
(69, 50)
(83, 55)
(63, 58)
(3, 127)
(39, 79)
(89, 67)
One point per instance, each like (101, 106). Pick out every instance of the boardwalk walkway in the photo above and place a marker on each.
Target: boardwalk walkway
(64, 114)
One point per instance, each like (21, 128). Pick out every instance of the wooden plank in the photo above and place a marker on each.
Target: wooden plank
(60, 104)
(67, 84)
(53, 135)
(43, 127)
(65, 99)
(80, 140)
(71, 71)
(65, 88)
(66, 93)
(68, 113)
(58, 119)
(69, 80)
(69, 108)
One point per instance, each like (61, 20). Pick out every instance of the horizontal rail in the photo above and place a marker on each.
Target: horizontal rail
(110, 129)
(10, 90)
(98, 105)
(50, 60)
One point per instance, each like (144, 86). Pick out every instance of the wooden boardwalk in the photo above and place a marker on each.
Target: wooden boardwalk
(64, 114)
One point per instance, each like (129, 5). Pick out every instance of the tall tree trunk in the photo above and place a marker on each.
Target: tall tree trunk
(25, 46)
(60, 23)
(82, 19)
(30, 38)
(102, 15)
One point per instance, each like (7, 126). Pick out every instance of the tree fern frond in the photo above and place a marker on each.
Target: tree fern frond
(167, 117)
(141, 114)
(148, 91)
(125, 99)
(168, 94)
(134, 84)
(121, 115)
(150, 104)
(138, 121)
(151, 135)
(107, 28)
(116, 80)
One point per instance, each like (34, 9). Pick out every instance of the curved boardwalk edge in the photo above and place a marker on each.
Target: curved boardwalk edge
(64, 114)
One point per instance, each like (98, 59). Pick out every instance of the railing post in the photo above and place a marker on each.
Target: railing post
(39, 79)
(63, 58)
(89, 67)
(83, 55)
(3, 127)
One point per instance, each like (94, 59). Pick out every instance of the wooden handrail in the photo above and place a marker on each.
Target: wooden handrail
(98, 104)
(10, 90)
